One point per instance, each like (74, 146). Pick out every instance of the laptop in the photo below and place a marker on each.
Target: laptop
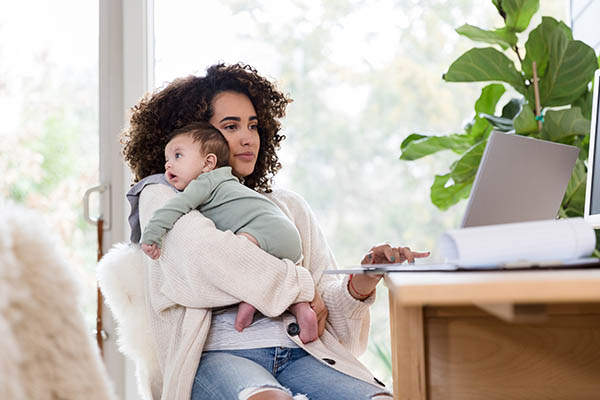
(519, 179)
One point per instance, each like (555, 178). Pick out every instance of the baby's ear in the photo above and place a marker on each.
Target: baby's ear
(210, 162)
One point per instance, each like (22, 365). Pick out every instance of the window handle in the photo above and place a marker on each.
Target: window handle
(105, 214)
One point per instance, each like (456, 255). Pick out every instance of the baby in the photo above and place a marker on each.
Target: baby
(196, 165)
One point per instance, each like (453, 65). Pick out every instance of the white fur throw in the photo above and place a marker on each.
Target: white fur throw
(46, 352)
(121, 275)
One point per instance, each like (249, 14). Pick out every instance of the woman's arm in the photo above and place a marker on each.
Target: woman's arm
(348, 318)
(202, 267)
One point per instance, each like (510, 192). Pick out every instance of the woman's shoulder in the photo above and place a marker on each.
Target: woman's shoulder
(286, 196)
(289, 201)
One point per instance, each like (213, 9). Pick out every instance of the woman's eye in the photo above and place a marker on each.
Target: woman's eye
(253, 127)
(230, 127)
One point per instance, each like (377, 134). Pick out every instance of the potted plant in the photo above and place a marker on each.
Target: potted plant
(564, 69)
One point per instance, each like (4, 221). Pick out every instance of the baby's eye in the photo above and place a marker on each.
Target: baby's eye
(178, 155)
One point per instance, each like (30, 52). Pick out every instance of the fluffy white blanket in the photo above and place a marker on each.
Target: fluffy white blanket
(46, 351)
(122, 276)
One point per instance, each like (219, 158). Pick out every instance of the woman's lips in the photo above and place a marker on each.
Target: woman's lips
(245, 156)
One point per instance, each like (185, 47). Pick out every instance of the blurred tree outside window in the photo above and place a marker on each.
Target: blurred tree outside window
(363, 74)
(49, 128)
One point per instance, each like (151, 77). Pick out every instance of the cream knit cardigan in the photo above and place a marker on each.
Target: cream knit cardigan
(201, 267)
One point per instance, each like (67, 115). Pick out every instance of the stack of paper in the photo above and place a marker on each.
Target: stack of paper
(539, 241)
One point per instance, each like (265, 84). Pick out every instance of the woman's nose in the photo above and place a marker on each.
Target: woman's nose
(247, 137)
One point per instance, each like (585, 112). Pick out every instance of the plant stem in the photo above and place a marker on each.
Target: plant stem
(562, 213)
(516, 49)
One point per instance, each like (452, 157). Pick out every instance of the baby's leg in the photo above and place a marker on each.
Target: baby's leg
(307, 320)
(244, 316)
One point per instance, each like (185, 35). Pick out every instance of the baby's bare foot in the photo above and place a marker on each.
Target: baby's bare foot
(308, 323)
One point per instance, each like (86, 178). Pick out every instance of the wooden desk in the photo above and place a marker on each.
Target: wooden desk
(495, 335)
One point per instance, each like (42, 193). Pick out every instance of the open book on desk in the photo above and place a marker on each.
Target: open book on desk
(551, 244)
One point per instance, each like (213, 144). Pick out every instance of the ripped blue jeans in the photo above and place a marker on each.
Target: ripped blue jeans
(224, 374)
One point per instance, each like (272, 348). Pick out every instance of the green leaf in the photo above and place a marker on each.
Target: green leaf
(443, 196)
(519, 13)
(574, 200)
(559, 124)
(525, 121)
(480, 129)
(571, 65)
(512, 108)
(416, 146)
(497, 4)
(465, 168)
(536, 48)
(584, 102)
(485, 64)
(486, 103)
(501, 124)
(583, 142)
(501, 37)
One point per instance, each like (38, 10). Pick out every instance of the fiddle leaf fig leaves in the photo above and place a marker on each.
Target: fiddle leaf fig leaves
(443, 196)
(574, 200)
(525, 121)
(485, 64)
(465, 168)
(490, 95)
(416, 146)
(560, 124)
(518, 13)
(502, 37)
(564, 68)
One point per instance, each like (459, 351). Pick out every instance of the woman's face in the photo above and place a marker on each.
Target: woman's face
(235, 117)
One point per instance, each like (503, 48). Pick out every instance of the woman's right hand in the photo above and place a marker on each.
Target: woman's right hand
(320, 309)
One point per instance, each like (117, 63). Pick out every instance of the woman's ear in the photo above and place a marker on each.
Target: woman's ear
(210, 162)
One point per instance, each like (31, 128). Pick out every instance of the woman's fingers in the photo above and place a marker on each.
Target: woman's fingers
(368, 258)
(320, 309)
(407, 254)
(385, 253)
(421, 254)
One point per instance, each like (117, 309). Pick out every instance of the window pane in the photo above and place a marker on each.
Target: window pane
(363, 75)
(49, 130)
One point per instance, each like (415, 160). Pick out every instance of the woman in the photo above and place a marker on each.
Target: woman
(202, 271)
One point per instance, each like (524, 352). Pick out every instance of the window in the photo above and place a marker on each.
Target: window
(363, 75)
(49, 130)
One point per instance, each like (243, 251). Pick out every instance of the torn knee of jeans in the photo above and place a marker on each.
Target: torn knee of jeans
(382, 396)
(251, 391)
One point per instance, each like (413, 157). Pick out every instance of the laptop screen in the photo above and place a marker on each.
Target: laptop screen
(519, 179)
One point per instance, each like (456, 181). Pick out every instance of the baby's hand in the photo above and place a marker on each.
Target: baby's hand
(151, 250)
(249, 237)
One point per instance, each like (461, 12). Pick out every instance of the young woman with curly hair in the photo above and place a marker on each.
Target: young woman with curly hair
(203, 273)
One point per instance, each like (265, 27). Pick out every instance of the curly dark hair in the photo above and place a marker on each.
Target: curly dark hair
(189, 99)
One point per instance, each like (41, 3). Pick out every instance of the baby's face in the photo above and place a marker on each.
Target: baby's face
(184, 161)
